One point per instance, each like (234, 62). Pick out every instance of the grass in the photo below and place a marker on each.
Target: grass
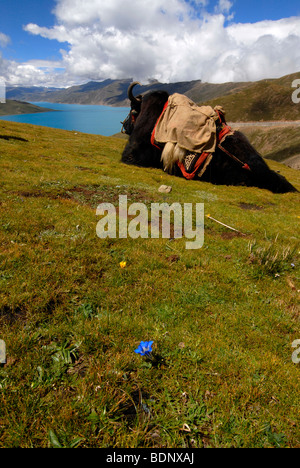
(262, 100)
(222, 318)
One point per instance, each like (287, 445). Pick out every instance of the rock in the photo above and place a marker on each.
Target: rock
(165, 189)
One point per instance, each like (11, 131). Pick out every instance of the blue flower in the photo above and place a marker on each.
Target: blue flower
(145, 348)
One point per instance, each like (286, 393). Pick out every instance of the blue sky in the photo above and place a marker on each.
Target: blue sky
(258, 10)
(63, 42)
(23, 46)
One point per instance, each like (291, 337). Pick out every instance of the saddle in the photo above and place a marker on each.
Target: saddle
(193, 164)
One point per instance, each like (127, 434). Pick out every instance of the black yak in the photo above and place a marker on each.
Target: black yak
(233, 162)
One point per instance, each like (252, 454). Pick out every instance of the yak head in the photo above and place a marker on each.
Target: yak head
(139, 125)
(148, 104)
(135, 109)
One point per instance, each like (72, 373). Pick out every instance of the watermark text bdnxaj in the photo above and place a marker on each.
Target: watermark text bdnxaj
(2, 352)
(136, 221)
(296, 354)
(2, 91)
(296, 93)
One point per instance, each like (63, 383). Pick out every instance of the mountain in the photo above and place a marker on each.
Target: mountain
(114, 92)
(264, 100)
(22, 93)
(12, 107)
(269, 99)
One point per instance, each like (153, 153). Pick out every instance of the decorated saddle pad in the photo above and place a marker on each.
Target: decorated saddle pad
(194, 164)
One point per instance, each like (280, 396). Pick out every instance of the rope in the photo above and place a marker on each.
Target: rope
(244, 165)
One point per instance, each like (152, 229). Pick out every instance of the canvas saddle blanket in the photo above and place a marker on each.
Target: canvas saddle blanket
(191, 126)
(192, 129)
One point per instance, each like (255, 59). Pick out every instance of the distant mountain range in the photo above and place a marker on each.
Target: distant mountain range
(114, 92)
(262, 100)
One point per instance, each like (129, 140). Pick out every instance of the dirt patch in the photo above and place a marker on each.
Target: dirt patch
(86, 169)
(42, 194)
(250, 206)
(232, 235)
(33, 194)
(10, 314)
(173, 258)
(92, 195)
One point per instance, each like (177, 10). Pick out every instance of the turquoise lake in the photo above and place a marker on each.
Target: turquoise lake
(98, 120)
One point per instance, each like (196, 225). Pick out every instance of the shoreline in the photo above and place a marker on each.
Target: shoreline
(13, 107)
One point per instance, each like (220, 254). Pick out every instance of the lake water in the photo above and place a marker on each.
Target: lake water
(99, 120)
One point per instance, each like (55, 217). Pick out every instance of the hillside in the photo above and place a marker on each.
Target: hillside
(280, 144)
(258, 101)
(261, 101)
(25, 93)
(74, 308)
(12, 107)
(114, 92)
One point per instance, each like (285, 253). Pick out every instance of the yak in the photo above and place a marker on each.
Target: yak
(233, 162)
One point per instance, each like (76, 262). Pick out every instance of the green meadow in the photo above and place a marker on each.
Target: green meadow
(222, 318)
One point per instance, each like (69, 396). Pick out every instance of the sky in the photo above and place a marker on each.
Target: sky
(60, 43)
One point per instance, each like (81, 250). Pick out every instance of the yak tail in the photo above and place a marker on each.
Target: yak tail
(172, 153)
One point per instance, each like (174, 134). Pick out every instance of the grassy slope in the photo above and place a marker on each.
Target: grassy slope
(278, 143)
(263, 100)
(18, 107)
(222, 318)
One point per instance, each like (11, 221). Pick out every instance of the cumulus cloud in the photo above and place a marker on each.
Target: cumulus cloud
(165, 40)
(4, 39)
(14, 73)
(223, 6)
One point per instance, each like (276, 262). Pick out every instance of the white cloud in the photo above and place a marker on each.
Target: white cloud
(4, 39)
(42, 73)
(164, 40)
(223, 6)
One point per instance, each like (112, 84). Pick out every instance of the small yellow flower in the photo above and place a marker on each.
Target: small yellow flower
(122, 264)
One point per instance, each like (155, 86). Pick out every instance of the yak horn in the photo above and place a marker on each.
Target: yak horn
(130, 93)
